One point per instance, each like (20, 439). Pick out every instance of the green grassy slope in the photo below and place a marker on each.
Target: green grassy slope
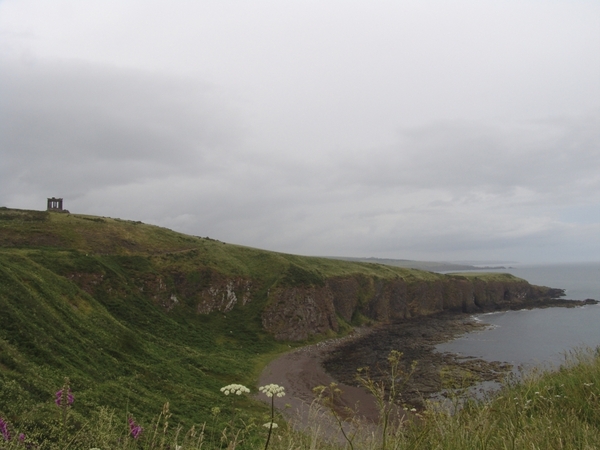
(91, 298)
(117, 347)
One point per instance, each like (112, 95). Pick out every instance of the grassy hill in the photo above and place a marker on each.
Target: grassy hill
(94, 299)
(137, 315)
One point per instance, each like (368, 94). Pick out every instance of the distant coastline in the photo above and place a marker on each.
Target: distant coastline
(430, 266)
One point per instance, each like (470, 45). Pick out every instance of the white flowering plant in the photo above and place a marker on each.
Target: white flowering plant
(272, 390)
(237, 389)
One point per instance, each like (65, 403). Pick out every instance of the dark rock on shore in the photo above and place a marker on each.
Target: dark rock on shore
(416, 338)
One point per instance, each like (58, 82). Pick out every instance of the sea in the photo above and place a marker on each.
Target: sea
(539, 338)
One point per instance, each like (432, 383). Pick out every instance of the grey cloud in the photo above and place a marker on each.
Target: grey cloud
(178, 153)
(462, 156)
(78, 124)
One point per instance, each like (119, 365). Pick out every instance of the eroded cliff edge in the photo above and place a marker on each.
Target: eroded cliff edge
(296, 304)
(299, 312)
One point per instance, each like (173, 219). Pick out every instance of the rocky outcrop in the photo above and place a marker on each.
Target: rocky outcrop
(296, 313)
(204, 291)
(225, 296)
(210, 291)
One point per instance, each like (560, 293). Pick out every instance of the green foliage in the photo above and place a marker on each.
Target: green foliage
(297, 276)
(117, 346)
(387, 393)
(113, 305)
(23, 215)
(485, 276)
(544, 410)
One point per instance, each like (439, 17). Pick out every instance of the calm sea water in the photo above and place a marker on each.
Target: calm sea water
(539, 337)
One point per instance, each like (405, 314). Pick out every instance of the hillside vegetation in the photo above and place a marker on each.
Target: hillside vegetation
(137, 315)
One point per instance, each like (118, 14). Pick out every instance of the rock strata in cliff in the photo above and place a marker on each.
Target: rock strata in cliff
(299, 312)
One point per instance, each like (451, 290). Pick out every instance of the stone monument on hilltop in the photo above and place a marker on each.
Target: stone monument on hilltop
(56, 205)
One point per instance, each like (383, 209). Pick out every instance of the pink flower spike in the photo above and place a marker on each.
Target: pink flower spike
(134, 428)
(4, 430)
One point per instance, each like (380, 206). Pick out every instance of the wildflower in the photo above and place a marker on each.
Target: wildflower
(237, 389)
(271, 390)
(59, 397)
(134, 428)
(4, 429)
(21, 437)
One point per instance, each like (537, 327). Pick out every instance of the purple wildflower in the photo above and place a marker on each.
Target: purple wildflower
(21, 437)
(59, 397)
(4, 429)
(134, 428)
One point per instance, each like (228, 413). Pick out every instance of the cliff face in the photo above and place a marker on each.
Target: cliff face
(300, 307)
(300, 312)
(296, 313)
(304, 305)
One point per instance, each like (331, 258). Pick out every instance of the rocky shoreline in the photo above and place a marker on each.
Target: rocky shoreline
(417, 338)
(337, 360)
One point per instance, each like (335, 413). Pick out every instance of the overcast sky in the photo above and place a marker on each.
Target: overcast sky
(411, 129)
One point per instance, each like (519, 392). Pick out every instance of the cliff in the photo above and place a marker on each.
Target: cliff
(301, 310)
(296, 313)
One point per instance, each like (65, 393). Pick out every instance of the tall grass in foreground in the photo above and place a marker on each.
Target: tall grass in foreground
(550, 410)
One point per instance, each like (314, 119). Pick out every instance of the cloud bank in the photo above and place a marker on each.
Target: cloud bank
(309, 135)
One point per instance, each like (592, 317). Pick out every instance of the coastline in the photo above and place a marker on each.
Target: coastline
(337, 360)
(301, 370)
(417, 339)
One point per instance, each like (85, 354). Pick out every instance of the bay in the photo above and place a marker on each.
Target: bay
(539, 337)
